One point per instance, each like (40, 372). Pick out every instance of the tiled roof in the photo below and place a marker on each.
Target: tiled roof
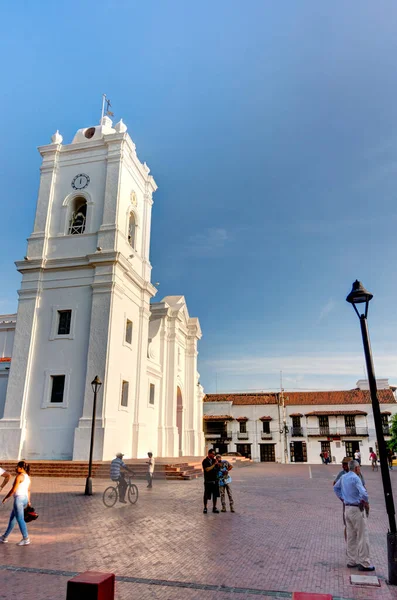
(218, 418)
(319, 413)
(355, 396)
(246, 399)
(265, 419)
(385, 412)
(241, 418)
(296, 415)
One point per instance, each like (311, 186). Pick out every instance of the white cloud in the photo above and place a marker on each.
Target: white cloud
(344, 364)
(329, 307)
(208, 242)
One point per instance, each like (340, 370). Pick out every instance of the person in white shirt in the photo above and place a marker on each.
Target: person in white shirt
(150, 470)
(357, 456)
(6, 476)
(21, 492)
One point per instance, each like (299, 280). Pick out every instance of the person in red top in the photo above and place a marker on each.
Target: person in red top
(374, 459)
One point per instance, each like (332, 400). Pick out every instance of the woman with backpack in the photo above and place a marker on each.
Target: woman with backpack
(21, 492)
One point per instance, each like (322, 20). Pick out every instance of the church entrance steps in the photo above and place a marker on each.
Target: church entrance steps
(100, 470)
(184, 468)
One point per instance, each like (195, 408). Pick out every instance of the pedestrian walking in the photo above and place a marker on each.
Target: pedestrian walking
(211, 485)
(345, 469)
(326, 457)
(21, 493)
(351, 491)
(224, 483)
(374, 459)
(390, 458)
(357, 456)
(322, 457)
(150, 470)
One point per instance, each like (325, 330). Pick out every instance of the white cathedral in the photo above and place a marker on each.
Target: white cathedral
(85, 310)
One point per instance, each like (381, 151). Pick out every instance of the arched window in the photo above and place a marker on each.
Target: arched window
(131, 230)
(79, 216)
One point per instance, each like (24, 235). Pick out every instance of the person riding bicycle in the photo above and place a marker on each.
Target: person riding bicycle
(115, 475)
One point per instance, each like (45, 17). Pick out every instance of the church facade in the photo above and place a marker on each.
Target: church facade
(85, 309)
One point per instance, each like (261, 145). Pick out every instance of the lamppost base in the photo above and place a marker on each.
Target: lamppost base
(88, 486)
(392, 558)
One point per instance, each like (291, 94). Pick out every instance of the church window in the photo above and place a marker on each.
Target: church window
(79, 216)
(151, 393)
(124, 393)
(64, 320)
(128, 331)
(131, 230)
(57, 388)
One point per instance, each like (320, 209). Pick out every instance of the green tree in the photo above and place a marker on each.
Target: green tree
(392, 444)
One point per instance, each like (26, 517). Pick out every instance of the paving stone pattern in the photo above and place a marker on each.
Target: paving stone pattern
(286, 535)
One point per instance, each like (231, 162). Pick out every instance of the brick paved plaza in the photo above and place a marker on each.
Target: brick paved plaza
(286, 535)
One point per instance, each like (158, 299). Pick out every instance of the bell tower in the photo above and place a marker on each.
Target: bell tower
(84, 302)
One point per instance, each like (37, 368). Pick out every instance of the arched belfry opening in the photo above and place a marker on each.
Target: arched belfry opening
(179, 419)
(131, 230)
(79, 216)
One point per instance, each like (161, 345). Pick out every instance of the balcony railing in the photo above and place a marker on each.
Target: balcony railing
(266, 436)
(386, 430)
(337, 431)
(215, 435)
(296, 431)
(242, 436)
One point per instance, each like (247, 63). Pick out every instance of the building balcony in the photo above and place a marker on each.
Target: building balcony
(212, 436)
(386, 430)
(337, 431)
(266, 436)
(296, 431)
(242, 436)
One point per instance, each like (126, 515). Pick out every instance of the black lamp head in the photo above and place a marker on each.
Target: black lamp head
(359, 295)
(96, 384)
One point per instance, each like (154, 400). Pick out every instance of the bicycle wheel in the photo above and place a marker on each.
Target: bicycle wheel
(132, 493)
(110, 496)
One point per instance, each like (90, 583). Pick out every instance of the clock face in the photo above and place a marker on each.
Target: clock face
(80, 181)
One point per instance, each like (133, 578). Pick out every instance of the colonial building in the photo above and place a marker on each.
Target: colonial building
(85, 310)
(297, 426)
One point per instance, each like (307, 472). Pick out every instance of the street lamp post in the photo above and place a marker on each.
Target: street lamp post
(96, 384)
(359, 295)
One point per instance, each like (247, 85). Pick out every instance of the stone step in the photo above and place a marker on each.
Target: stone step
(100, 470)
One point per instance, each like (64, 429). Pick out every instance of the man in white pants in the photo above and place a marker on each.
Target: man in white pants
(351, 491)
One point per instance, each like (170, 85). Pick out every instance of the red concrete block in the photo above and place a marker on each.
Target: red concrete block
(91, 585)
(306, 596)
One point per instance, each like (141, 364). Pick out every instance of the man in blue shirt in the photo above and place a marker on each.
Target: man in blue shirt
(115, 475)
(351, 491)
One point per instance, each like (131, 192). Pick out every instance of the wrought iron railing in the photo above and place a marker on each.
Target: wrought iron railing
(242, 436)
(335, 431)
(266, 436)
(296, 431)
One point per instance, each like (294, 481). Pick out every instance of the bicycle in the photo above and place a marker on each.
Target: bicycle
(111, 494)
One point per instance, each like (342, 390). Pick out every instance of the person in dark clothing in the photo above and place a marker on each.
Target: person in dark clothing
(211, 485)
(390, 458)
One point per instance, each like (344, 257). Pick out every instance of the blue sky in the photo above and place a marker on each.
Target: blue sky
(271, 130)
